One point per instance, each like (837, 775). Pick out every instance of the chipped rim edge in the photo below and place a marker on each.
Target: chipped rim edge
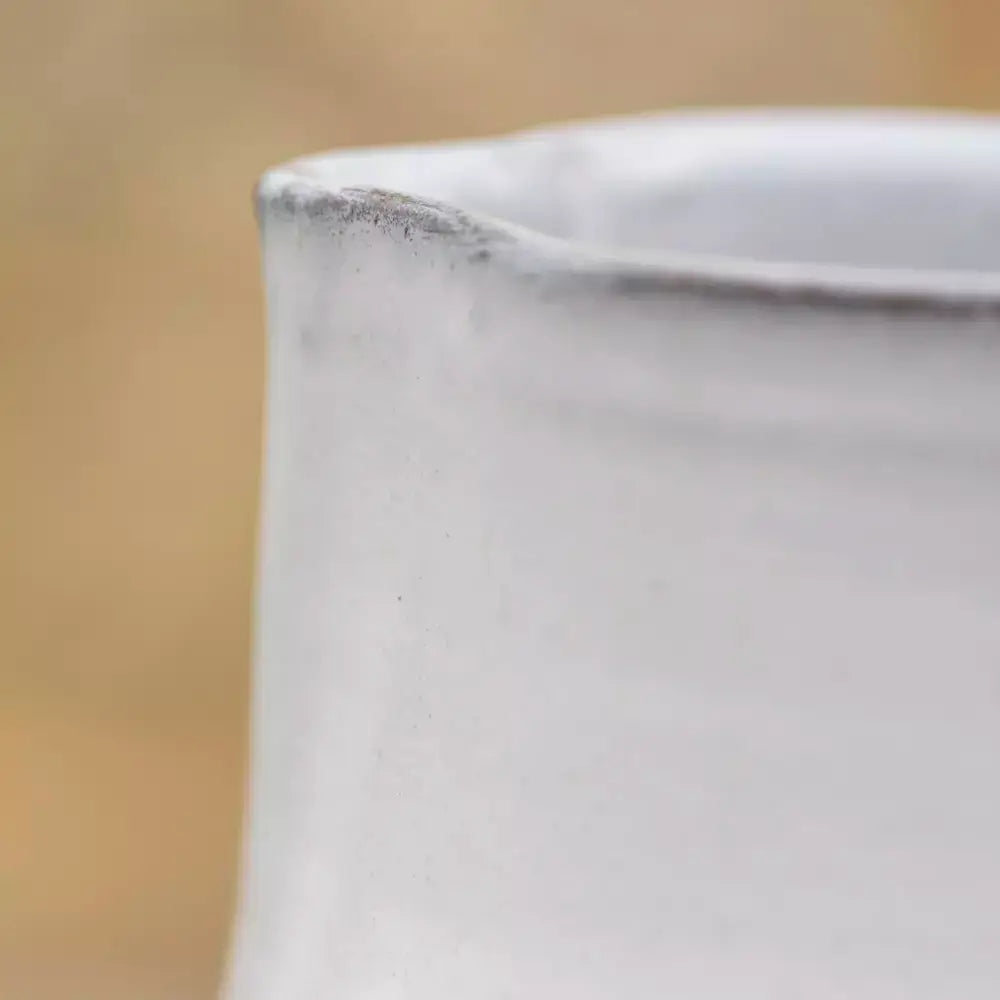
(527, 253)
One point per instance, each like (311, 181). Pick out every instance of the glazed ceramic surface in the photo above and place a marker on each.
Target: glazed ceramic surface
(629, 589)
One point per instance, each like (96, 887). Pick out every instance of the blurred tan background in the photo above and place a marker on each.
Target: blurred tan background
(131, 349)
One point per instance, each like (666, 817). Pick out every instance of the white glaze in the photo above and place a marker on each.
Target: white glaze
(629, 622)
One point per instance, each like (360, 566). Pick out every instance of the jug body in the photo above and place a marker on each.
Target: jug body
(629, 620)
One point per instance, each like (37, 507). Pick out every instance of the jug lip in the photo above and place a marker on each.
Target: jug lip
(376, 186)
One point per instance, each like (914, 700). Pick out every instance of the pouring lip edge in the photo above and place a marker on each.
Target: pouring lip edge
(302, 187)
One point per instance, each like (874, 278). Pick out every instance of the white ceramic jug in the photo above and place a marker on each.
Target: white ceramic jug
(629, 596)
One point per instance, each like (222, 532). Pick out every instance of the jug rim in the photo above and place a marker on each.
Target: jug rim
(353, 185)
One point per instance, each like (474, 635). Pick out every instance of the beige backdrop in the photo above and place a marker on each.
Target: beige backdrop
(131, 372)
